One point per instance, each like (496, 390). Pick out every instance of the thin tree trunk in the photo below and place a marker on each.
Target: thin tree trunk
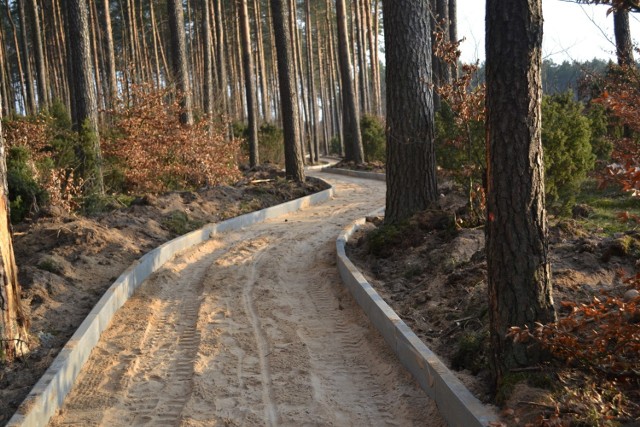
(207, 101)
(264, 79)
(361, 56)
(179, 57)
(350, 115)
(111, 57)
(294, 166)
(94, 48)
(334, 82)
(297, 67)
(377, 74)
(375, 99)
(16, 45)
(250, 84)
(517, 236)
(32, 107)
(41, 70)
(313, 102)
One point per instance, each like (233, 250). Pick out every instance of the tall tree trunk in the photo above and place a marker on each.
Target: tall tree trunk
(250, 84)
(16, 46)
(83, 94)
(622, 32)
(375, 98)
(13, 323)
(94, 49)
(411, 164)
(261, 67)
(41, 70)
(350, 115)
(334, 81)
(362, 56)
(294, 166)
(517, 243)
(208, 60)
(179, 59)
(31, 97)
(111, 56)
(378, 79)
(154, 42)
(220, 54)
(313, 102)
(297, 68)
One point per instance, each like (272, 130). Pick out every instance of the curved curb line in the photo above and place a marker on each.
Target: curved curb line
(49, 392)
(456, 404)
(356, 174)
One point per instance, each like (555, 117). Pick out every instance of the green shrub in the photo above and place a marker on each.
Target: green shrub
(25, 194)
(335, 147)
(271, 144)
(566, 137)
(601, 145)
(373, 138)
(460, 146)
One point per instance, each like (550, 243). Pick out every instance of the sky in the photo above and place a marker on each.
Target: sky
(571, 31)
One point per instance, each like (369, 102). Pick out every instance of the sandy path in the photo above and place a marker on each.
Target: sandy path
(251, 328)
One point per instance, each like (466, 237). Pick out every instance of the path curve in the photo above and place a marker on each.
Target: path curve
(253, 327)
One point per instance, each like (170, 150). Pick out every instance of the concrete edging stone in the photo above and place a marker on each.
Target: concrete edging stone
(455, 402)
(50, 391)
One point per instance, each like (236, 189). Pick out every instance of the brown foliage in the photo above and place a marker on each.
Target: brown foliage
(602, 340)
(158, 153)
(621, 97)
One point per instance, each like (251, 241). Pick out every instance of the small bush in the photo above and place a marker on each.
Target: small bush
(179, 223)
(26, 195)
(601, 145)
(42, 157)
(335, 147)
(373, 138)
(271, 144)
(566, 137)
(155, 152)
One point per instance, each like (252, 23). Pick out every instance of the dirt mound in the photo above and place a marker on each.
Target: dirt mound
(434, 275)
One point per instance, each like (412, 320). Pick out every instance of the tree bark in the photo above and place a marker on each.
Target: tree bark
(411, 166)
(208, 60)
(179, 59)
(16, 45)
(13, 323)
(220, 53)
(350, 114)
(313, 102)
(249, 84)
(294, 166)
(41, 70)
(622, 32)
(83, 91)
(31, 97)
(517, 243)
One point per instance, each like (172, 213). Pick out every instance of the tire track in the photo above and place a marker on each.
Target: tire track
(252, 329)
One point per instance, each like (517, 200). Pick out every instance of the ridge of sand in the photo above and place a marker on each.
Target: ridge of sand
(253, 327)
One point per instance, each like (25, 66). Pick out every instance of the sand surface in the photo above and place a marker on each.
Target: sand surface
(251, 328)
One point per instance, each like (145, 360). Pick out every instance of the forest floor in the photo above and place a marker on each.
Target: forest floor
(66, 262)
(434, 275)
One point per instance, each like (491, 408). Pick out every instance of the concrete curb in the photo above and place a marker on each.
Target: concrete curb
(50, 391)
(456, 404)
(356, 174)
